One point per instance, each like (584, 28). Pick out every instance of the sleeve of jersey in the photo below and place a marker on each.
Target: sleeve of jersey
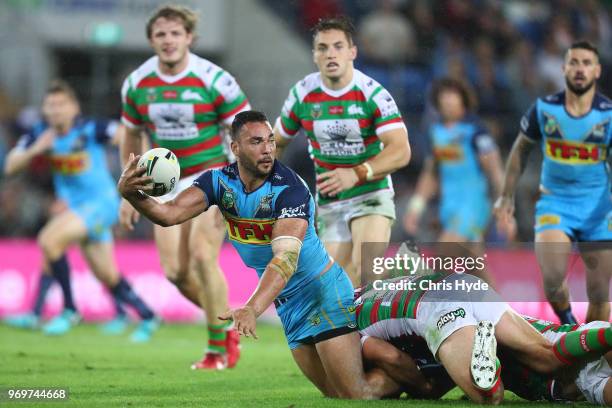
(105, 130)
(205, 183)
(293, 202)
(529, 124)
(229, 99)
(482, 142)
(130, 116)
(288, 122)
(386, 113)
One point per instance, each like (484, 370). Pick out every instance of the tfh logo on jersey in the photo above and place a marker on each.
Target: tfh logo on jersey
(450, 317)
(575, 153)
(448, 153)
(249, 231)
(70, 164)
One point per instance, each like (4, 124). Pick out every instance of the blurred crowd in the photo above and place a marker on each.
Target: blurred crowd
(510, 51)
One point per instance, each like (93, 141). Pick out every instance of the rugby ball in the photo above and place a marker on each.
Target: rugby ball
(163, 166)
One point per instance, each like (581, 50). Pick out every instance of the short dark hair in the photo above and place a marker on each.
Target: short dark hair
(341, 23)
(171, 12)
(243, 118)
(450, 84)
(584, 45)
(61, 86)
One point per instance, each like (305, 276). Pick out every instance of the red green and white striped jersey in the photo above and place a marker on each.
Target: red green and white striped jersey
(552, 331)
(342, 125)
(184, 112)
(390, 313)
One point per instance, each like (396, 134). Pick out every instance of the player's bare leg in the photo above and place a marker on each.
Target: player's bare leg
(174, 259)
(343, 364)
(553, 248)
(61, 231)
(368, 228)
(529, 346)
(308, 361)
(455, 353)
(341, 253)
(598, 273)
(472, 249)
(101, 259)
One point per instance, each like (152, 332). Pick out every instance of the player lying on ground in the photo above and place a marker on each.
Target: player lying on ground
(400, 356)
(269, 214)
(447, 320)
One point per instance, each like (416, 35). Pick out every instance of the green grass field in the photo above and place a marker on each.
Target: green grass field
(102, 371)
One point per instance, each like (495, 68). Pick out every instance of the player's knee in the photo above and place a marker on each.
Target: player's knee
(203, 260)
(175, 274)
(49, 246)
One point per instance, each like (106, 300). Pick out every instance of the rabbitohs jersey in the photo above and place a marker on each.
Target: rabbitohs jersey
(390, 313)
(342, 126)
(184, 112)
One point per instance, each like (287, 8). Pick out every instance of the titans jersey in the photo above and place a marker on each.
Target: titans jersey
(250, 217)
(78, 161)
(456, 150)
(575, 149)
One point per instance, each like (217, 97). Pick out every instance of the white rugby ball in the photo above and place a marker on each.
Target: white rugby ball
(164, 167)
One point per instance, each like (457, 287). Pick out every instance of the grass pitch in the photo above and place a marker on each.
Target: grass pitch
(103, 371)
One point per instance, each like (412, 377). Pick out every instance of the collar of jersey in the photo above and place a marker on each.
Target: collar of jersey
(339, 92)
(173, 78)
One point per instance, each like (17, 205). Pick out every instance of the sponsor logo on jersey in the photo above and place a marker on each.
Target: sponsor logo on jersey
(169, 94)
(70, 164)
(575, 152)
(151, 95)
(249, 231)
(449, 153)
(355, 110)
(450, 317)
(189, 95)
(548, 219)
(293, 212)
(336, 110)
(386, 104)
(316, 111)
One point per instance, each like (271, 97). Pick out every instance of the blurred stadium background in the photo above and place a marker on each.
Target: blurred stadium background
(510, 51)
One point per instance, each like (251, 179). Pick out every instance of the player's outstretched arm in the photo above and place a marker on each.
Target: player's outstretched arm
(20, 157)
(185, 206)
(504, 206)
(287, 237)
